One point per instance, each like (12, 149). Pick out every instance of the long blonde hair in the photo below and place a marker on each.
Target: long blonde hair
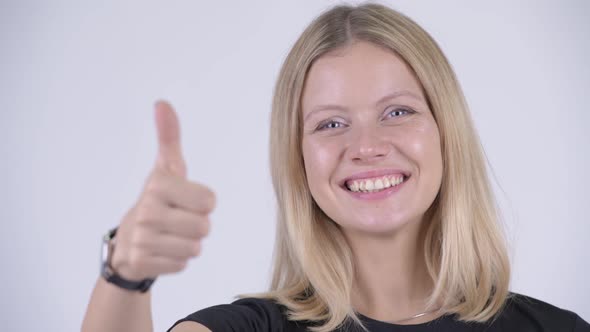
(464, 246)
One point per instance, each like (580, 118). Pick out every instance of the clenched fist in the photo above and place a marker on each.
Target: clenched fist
(164, 229)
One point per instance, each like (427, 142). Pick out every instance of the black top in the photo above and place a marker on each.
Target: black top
(521, 314)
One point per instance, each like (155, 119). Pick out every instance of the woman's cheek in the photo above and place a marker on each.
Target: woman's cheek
(321, 159)
(314, 159)
(421, 139)
(426, 151)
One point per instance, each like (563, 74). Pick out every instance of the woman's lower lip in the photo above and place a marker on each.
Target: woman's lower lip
(378, 194)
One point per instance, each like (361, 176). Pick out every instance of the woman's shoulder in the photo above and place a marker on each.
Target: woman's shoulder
(522, 312)
(245, 314)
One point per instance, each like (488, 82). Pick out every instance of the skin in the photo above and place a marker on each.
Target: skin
(362, 132)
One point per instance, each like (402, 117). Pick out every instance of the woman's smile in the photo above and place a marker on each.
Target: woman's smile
(374, 185)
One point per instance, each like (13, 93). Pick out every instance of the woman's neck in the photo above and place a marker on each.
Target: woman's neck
(391, 279)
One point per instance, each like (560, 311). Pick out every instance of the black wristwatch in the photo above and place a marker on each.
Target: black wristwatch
(106, 270)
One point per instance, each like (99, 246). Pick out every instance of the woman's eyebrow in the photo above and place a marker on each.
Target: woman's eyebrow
(390, 96)
(327, 107)
(398, 94)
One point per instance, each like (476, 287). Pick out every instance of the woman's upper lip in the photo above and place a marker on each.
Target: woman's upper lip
(374, 174)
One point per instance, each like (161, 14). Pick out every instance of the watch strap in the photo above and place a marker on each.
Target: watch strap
(141, 286)
(111, 276)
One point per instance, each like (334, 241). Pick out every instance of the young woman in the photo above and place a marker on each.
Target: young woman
(387, 221)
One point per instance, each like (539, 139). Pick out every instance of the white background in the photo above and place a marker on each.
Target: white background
(77, 85)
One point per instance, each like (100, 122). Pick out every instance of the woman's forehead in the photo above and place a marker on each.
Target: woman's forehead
(359, 74)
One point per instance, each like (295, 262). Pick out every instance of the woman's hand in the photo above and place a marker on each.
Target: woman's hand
(164, 229)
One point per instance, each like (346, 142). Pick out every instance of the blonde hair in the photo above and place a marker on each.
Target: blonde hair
(464, 246)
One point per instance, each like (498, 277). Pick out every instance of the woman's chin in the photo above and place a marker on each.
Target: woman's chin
(375, 226)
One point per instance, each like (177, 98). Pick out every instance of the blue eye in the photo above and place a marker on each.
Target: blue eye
(398, 112)
(330, 125)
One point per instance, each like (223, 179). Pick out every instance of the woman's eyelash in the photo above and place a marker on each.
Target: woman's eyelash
(332, 123)
(399, 112)
(325, 125)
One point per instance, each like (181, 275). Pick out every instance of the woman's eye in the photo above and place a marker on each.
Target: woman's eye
(330, 125)
(397, 112)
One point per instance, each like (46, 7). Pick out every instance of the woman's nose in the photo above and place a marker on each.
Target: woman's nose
(368, 146)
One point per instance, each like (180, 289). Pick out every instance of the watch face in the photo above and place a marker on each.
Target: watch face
(106, 250)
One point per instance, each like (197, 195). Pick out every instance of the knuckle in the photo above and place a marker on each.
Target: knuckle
(206, 227)
(179, 266)
(155, 186)
(142, 214)
(147, 212)
(212, 201)
(196, 248)
(204, 198)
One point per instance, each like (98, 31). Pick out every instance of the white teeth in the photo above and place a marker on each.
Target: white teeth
(372, 185)
(378, 184)
(386, 183)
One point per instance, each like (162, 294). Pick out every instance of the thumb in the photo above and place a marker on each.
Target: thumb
(169, 148)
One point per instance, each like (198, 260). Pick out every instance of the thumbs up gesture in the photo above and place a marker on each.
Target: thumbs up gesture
(164, 229)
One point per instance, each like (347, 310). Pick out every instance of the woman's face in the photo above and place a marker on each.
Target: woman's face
(370, 143)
